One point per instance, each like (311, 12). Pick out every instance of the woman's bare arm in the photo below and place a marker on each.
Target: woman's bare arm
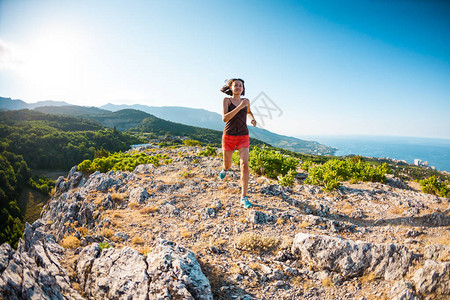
(228, 115)
(249, 112)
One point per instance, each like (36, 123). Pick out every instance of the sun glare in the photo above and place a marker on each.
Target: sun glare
(54, 61)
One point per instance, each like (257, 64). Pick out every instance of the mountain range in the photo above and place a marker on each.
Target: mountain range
(125, 117)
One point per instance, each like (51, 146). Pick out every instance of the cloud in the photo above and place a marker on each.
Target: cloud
(9, 56)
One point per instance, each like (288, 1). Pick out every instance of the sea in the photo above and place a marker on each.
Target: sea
(435, 151)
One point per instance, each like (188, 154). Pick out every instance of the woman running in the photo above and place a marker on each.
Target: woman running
(235, 134)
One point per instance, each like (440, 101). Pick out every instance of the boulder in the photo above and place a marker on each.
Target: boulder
(182, 276)
(402, 290)
(351, 258)
(437, 252)
(256, 217)
(171, 271)
(434, 277)
(113, 273)
(34, 270)
(138, 195)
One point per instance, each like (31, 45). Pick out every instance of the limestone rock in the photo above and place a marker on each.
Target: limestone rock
(174, 270)
(113, 273)
(138, 195)
(170, 271)
(352, 258)
(402, 291)
(437, 252)
(433, 278)
(34, 270)
(256, 217)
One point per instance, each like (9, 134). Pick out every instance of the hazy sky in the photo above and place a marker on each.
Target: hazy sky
(374, 67)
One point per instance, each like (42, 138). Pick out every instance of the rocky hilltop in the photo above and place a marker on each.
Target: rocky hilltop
(177, 232)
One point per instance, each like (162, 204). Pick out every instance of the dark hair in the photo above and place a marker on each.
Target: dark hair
(227, 87)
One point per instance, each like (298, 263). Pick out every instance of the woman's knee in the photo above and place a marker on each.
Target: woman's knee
(244, 166)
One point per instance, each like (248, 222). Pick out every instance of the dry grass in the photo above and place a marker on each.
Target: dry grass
(304, 224)
(146, 250)
(117, 215)
(148, 210)
(106, 232)
(327, 282)
(347, 208)
(368, 277)
(254, 242)
(442, 240)
(119, 197)
(280, 221)
(185, 233)
(286, 242)
(397, 210)
(137, 240)
(82, 230)
(133, 205)
(70, 242)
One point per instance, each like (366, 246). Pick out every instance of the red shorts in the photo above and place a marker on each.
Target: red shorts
(229, 142)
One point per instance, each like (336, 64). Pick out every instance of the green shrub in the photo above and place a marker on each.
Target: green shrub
(104, 245)
(186, 174)
(120, 161)
(306, 165)
(271, 163)
(42, 184)
(433, 186)
(101, 153)
(209, 151)
(191, 143)
(333, 172)
(288, 179)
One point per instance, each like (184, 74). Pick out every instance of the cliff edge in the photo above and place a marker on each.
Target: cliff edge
(178, 232)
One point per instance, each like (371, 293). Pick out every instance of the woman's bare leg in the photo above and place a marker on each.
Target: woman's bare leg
(227, 159)
(243, 154)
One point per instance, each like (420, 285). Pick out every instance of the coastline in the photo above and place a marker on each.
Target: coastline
(434, 151)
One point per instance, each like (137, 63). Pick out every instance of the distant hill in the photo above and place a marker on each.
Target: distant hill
(189, 116)
(107, 115)
(11, 104)
(211, 120)
(123, 119)
(48, 141)
(72, 110)
(138, 121)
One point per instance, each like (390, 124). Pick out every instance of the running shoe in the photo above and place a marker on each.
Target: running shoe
(245, 203)
(222, 174)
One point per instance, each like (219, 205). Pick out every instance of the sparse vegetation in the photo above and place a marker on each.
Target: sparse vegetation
(288, 179)
(433, 185)
(120, 161)
(209, 151)
(104, 245)
(148, 210)
(42, 184)
(271, 163)
(255, 242)
(137, 240)
(333, 172)
(70, 242)
(186, 174)
(191, 143)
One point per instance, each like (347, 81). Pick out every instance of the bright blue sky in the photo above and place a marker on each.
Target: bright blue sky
(333, 67)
